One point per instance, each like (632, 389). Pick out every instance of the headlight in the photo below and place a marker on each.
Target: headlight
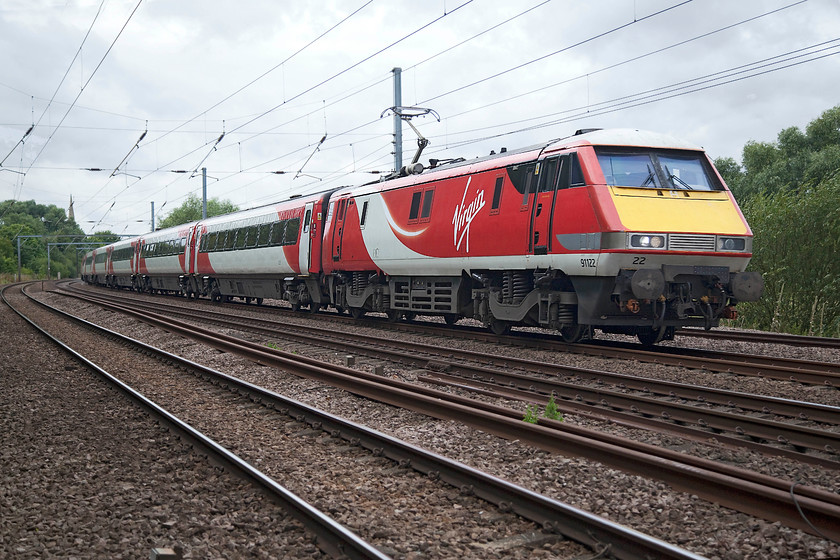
(731, 243)
(647, 241)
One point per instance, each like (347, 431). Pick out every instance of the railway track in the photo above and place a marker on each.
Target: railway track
(722, 488)
(734, 419)
(807, 372)
(763, 337)
(552, 516)
(332, 537)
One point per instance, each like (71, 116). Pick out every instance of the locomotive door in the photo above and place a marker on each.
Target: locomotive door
(547, 172)
(306, 235)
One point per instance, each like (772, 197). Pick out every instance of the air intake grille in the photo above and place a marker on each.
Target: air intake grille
(681, 242)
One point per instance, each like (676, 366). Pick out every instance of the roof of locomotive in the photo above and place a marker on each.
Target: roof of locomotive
(624, 137)
(631, 137)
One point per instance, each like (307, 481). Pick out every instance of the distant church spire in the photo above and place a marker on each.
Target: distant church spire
(70, 213)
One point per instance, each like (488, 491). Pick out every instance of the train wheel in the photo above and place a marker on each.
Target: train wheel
(314, 307)
(296, 306)
(450, 319)
(340, 310)
(410, 315)
(394, 315)
(498, 327)
(573, 334)
(357, 312)
(259, 301)
(655, 336)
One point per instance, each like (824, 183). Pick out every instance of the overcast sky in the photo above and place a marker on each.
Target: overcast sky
(276, 76)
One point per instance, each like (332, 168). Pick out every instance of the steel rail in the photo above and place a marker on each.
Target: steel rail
(799, 436)
(802, 410)
(783, 369)
(763, 337)
(584, 527)
(611, 400)
(776, 367)
(630, 419)
(803, 512)
(332, 537)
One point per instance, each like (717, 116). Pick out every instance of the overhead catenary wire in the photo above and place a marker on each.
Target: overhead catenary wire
(267, 72)
(350, 67)
(247, 166)
(650, 96)
(345, 70)
(554, 53)
(629, 60)
(84, 86)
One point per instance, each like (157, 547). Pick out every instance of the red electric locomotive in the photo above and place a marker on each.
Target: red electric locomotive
(619, 230)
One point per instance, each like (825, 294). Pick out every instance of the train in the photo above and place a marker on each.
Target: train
(619, 230)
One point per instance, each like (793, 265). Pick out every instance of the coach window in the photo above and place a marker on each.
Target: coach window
(253, 236)
(292, 229)
(275, 233)
(264, 235)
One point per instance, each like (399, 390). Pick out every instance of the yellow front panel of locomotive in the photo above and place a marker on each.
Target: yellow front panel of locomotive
(663, 210)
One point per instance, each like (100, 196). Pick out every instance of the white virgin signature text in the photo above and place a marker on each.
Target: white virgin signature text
(464, 215)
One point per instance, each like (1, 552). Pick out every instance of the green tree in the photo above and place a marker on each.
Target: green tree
(731, 172)
(788, 191)
(28, 218)
(190, 211)
(797, 240)
(794, 161)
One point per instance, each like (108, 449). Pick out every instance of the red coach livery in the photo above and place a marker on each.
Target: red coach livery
(624, 231)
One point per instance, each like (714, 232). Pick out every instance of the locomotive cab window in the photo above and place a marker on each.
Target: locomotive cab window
(672, 170)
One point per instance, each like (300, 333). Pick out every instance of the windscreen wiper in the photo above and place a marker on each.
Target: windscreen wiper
(682, 183)
(651, 178)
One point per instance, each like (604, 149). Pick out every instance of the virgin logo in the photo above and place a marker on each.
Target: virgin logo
(464, 215)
